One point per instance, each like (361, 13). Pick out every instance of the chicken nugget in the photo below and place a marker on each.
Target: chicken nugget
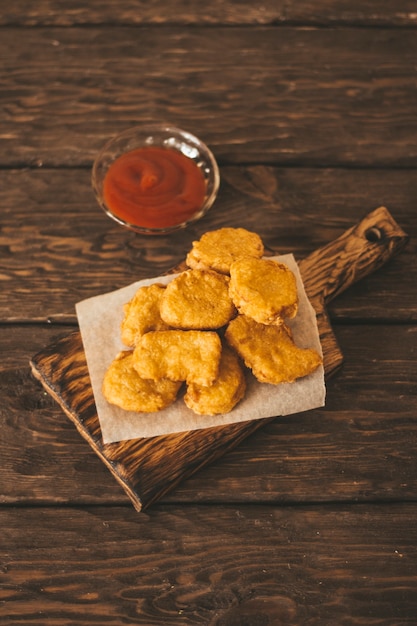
(218, 249)
(197, 299)
(270, 352)
(264, 290)
(141, 314)
(123, 387)
(187, 355)
(226, 391)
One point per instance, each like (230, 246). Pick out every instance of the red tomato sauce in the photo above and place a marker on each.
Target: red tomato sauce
(154, 187)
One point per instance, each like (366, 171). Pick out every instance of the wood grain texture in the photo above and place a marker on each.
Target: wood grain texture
(310, 109)
(322, 12)
(145, 468)
(362, 446)
(339, 96)
(222, 566)
(57, 246)
(149, 468)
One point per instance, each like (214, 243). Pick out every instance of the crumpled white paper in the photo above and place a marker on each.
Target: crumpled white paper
(99, 320)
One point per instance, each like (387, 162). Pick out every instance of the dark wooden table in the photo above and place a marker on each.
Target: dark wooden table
(311, 111)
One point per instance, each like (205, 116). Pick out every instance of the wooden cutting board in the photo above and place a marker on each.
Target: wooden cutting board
(149, 468)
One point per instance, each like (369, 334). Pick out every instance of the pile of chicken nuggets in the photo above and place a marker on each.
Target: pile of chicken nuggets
(198, 336)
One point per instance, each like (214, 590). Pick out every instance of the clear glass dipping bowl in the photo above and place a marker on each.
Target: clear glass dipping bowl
(163, 136)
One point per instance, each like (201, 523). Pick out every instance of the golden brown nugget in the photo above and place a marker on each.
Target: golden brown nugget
(264, 290)
(141, 314)
(187, 355)
(226, 391)
(218, 249)
(270, 352)
(197, 299)
(123, 387)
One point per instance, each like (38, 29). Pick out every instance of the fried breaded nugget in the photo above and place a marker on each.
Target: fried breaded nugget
(188, 355)
(141, 314)
(226, 391)
(123, 387)
(264, 290)
(218, 249)
(197, 299)
(270, 352)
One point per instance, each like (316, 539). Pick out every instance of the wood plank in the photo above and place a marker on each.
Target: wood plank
(44, 460)
(58, 247)
(333, 96)
(344, 565)
(309, 457)
(360, 447)
(70, 13)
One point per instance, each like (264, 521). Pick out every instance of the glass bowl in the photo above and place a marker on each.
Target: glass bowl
(145, 178)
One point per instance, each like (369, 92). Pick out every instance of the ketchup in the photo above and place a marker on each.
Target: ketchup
(154, 187)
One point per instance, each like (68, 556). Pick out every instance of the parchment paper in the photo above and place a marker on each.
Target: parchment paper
(99, 320)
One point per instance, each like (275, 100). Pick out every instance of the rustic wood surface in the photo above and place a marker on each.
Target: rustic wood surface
(36, 240)
(311, 96)
(310, 109)
(187, 565)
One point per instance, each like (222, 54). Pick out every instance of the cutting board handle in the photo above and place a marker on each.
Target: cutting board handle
(359, 251)
(330, 270)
